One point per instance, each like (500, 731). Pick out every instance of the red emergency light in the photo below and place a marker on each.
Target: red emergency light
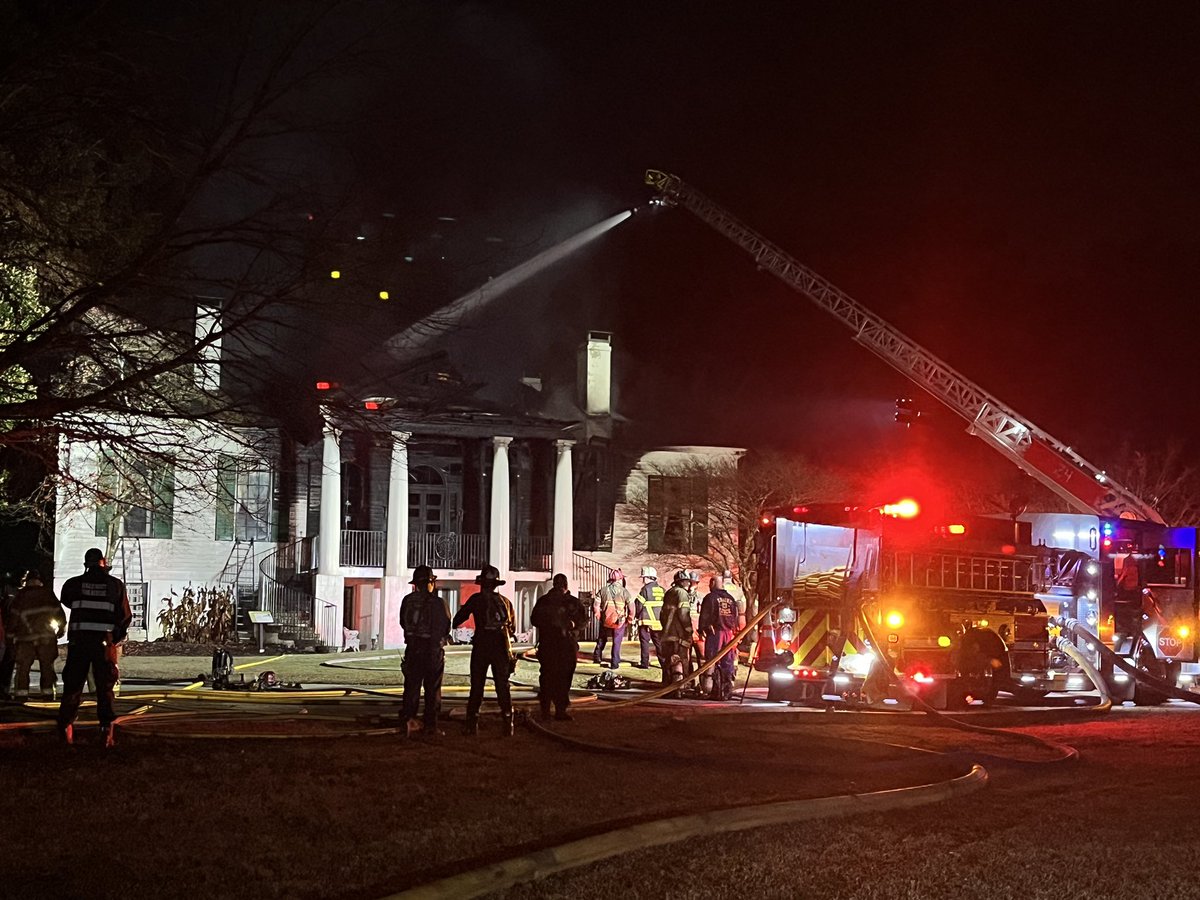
(370, 404)
(907, 508)
(327, 385)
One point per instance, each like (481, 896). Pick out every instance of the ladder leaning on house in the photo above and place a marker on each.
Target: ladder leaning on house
(126, 563)
(239, 576)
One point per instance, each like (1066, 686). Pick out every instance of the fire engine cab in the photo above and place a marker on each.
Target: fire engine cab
(953, 607)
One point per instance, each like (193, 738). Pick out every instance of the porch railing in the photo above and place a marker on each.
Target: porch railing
(364, 548)
(447, 551)
(531, 554)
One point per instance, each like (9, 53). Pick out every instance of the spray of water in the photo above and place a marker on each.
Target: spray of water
(448, 317)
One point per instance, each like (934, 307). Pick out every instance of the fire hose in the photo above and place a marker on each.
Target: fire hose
(1073, 627)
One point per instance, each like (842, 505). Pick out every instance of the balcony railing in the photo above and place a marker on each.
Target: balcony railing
(447, 551)
(364, 548)
(531, 554)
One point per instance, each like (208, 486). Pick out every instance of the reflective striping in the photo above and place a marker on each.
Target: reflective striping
(89, 626)
(94, 604)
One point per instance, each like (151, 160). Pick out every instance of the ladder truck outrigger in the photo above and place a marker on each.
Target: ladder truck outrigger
(1090, 557)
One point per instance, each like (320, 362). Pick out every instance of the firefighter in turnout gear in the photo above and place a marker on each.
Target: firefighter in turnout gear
(648, 611)
(613, 608)
(720, 620)
(491, 647)
(100, 618)
(677, 629)
(38, 622)
(559, 617)
(425, 618)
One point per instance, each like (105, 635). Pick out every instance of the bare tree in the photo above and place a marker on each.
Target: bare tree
(154, 217)
(1164, 478)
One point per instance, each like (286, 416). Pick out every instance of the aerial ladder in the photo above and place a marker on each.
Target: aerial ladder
(1086, 487)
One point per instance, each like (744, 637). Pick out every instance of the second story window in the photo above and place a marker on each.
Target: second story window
(677, 514)
(243, 499)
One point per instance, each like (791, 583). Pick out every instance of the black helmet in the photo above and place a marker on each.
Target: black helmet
(94, 558)
(423, 575)
(489, 575)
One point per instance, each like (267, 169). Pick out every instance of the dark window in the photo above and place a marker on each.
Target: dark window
(243, 500)
(677, 515)
(139, 499)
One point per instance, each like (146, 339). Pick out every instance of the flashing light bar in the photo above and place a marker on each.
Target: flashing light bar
(902, 509)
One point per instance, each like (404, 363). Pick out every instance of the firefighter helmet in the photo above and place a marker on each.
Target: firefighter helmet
(649, 572)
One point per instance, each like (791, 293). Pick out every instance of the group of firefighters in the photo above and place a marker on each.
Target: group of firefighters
(675, 621)
(35, 620)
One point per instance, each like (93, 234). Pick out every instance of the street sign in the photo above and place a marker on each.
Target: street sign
(260, 617)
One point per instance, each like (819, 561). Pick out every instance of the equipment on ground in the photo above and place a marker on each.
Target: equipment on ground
(221, 678)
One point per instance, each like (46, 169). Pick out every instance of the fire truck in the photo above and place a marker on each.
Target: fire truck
(1127, 530)
(953, 606)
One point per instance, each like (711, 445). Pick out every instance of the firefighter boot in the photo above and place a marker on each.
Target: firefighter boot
(108, 737)
(506, 725)
(544, 708)
(472, 725)
(67, 732)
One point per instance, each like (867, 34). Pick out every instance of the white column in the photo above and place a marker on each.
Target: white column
(500, 526)
(563, 541)
(396, 556)
(395, 563)
(329, 540)
(329, 582)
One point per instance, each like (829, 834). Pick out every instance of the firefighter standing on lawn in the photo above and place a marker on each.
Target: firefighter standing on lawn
(648, 611)
(559, 617)
(491, 647)
(720, 620)
(677, 631)
(38, 622)
(425, 618)
(613, 609)
(100, 618)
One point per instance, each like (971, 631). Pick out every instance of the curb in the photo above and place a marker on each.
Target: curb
(541, 863)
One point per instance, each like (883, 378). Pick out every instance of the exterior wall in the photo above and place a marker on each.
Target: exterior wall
(630, 528)
(191, 556)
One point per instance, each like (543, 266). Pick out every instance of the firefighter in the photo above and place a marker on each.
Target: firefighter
(100, 618)
(1127, 606)
(613, 609)
(491, 647)
(38, 622)
(648, 610)
(720, 620)
(559, 617)
(677, 629)
(425, 618)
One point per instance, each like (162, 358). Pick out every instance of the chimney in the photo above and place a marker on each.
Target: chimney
(595, 374)
(207, 369)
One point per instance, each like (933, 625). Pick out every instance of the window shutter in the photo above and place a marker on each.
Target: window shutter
(106, 510)
(162, 513)
(226, 496)
(655, 518)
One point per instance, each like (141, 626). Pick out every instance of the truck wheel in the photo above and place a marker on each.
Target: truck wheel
(1029, 696)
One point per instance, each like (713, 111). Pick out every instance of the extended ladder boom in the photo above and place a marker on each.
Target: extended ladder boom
(1051, 462)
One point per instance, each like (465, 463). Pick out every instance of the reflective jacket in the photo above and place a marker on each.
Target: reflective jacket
(649, 606)
(677, 615)
(99, 607)
(613, 594)
(37, 615)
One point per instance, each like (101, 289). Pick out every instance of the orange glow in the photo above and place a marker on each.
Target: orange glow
(902, 509)
(957, 529)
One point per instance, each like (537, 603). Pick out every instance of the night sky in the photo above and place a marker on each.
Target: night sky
(1013, 186)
